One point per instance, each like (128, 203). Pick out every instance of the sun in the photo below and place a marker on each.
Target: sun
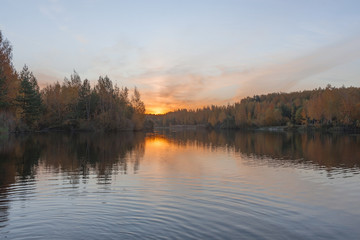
(156, 111)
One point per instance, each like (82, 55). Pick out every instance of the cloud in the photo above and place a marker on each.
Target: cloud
(285, 75)
(51, 10)
(172, 85)
(170, 90)
(81, 39)
(175, 88)
(54, 11)
(47, 76)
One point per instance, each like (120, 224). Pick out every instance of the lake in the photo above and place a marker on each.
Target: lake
(180, 185)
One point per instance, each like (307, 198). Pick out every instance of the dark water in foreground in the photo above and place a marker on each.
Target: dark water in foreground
(180, 185)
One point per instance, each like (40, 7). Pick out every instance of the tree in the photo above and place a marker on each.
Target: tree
(105, 91)
(9, 82)
(70, 92)
(139, 110)
(3, 90)
(85, 100)
(54, 104)
(29, 98)
(299, 116)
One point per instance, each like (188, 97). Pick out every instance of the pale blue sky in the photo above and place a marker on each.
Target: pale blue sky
(189, 53)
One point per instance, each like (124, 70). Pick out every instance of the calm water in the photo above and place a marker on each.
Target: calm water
(180, 185)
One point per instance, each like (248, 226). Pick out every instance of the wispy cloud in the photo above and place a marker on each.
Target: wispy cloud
(285, 75)
(51, 9)
(81, 39)
(171, 90)
(171, 85)
(46, 77)
(55, 12)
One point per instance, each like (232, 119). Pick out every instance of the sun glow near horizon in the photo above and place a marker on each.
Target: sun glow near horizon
(156, 110)
(190, 63)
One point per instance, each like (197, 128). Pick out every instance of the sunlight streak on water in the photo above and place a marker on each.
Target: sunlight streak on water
(169, 186)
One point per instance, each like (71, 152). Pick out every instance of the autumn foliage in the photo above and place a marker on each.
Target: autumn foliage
(75, 105)
(322, 107)
(70, 105)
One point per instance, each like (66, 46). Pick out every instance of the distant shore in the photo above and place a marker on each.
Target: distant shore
(291, 128)
(179, 128)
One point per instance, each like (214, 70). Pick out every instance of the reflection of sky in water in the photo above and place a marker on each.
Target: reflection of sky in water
(180, 184)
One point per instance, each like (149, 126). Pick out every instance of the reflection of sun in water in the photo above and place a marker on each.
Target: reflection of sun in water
(166, 157)
(157, 142)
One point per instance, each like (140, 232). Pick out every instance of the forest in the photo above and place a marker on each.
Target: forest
(75, 105)
(322, 108)
(70, 105)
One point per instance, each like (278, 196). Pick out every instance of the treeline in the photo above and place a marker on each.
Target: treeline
(327, 107)
(72, 104)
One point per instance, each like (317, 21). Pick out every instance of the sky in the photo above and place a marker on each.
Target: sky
(188, 54)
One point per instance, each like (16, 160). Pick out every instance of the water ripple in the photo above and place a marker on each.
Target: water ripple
(169, 189)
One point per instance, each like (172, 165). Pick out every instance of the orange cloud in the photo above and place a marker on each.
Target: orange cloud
(168, 88)
(168, 91)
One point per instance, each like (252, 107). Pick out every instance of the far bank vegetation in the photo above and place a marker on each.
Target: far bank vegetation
(70, 105)
(330, 107)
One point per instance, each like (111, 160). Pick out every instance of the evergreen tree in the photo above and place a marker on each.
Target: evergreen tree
(29, 98)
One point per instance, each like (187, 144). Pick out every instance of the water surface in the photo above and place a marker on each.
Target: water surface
(180, 185)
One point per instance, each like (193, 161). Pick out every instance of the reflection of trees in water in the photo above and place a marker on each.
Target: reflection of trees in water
(74, 155)
(7, 177)
(77, 156)
(104, 154)
(324, 150)
(18, 161)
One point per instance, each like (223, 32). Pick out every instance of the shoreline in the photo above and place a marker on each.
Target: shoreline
(201, 127)
(293, 128)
